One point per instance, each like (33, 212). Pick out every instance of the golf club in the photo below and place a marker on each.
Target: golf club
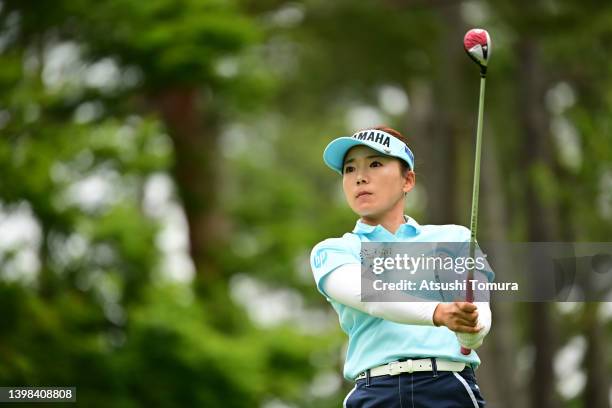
(477, 44)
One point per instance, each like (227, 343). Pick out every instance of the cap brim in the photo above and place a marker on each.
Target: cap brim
(335, 151)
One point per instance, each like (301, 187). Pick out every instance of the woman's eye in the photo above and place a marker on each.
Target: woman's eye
(348, 169)
(375, 164)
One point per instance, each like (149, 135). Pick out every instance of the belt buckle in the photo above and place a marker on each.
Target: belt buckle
(394, 368)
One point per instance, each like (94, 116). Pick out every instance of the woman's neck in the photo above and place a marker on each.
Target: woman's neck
(391, 222)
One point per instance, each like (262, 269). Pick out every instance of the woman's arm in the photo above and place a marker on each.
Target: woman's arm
(343, 285)
(470, 322)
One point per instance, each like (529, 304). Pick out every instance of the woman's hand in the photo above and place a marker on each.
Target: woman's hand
(461, 317)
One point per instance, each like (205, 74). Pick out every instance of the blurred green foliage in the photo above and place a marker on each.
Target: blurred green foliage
(87, 300)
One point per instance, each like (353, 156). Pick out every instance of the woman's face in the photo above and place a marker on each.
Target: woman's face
(373, 183)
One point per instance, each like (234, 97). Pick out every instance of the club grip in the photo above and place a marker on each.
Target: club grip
(469, 297)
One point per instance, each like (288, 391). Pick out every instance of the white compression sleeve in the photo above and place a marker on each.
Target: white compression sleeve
(343, 285)
(474, 340)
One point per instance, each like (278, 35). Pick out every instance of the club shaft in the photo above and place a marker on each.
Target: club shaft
(469, 294)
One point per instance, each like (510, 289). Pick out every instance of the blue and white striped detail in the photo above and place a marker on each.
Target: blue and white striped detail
(467, 388)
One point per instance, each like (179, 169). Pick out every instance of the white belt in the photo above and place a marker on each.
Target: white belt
(410, 366)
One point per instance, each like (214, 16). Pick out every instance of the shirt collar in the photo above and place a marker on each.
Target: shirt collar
(363, 228)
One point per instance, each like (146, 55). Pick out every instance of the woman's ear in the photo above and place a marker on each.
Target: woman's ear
(409, 181)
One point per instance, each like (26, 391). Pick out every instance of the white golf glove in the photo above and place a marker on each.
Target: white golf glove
(474, 340)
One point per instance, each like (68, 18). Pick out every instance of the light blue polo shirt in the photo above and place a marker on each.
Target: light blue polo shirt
(373, 341)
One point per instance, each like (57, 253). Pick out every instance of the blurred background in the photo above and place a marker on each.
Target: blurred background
(162, 185)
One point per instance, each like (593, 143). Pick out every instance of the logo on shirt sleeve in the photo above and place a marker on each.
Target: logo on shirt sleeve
(319, 258)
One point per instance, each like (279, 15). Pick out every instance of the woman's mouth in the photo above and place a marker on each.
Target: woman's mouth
(363, 194)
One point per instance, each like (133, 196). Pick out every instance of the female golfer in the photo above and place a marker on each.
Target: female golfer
(400, 354)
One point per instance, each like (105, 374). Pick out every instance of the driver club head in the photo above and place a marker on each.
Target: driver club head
(477, 44)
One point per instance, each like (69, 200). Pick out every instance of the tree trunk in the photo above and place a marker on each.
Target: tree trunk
(195, 167)
(438, 121)
(540, 226)
(596, 392)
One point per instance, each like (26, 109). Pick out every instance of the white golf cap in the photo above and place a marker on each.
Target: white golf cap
(378, 140)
